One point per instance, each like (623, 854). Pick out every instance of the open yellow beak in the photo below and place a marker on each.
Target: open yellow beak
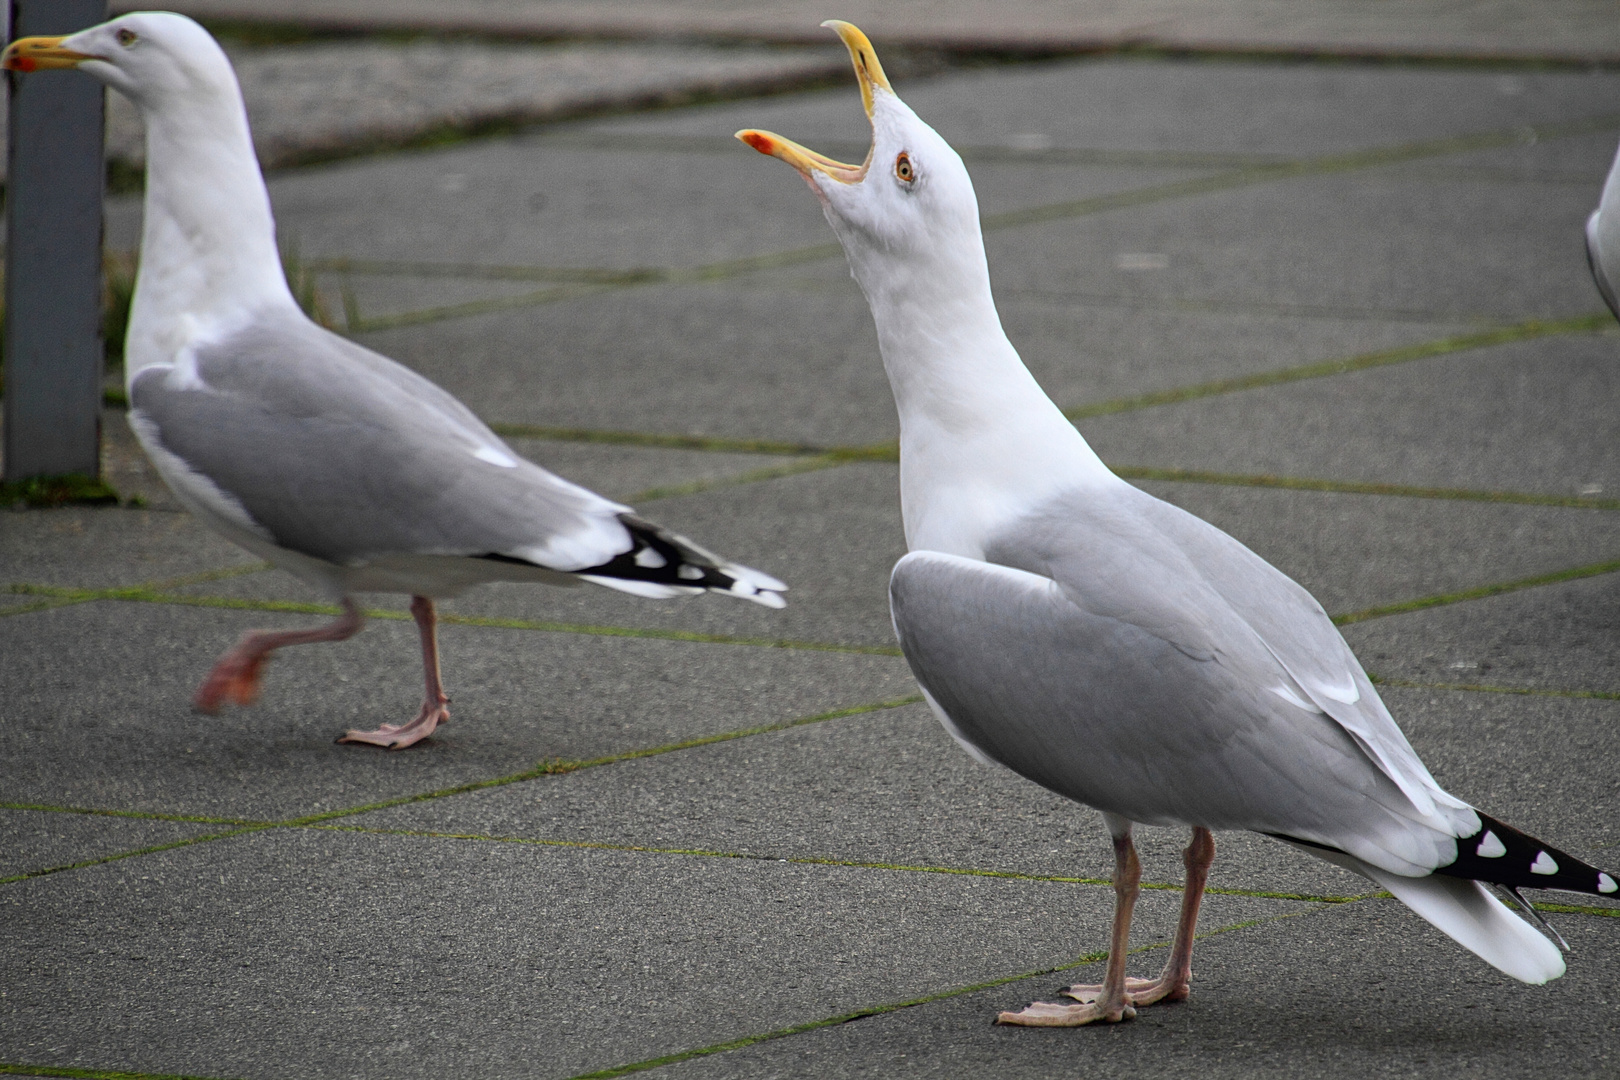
(808, 162)
(39, 54)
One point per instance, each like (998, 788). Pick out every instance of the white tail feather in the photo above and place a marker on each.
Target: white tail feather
(1465, 912)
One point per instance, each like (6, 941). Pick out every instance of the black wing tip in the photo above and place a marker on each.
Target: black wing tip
(660, 557)
(1499, 854)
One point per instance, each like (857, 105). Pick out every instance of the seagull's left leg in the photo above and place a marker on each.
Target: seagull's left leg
(1174, 984)
(236, 675)
(433, 712)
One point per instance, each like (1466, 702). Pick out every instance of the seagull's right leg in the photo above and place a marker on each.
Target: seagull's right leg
(1174, 984)
(236, 676)
(1113, 1002)
(434, 699)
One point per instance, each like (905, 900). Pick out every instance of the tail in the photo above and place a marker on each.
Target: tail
(1454, 898)
(662, 564)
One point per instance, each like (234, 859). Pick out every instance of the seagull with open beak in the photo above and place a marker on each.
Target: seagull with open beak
(1107, 645)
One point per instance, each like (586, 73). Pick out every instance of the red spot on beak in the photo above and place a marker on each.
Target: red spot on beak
(23, 63)
(759, 142)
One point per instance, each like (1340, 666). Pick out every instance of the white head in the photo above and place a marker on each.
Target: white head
(152, 57)
(910, 205)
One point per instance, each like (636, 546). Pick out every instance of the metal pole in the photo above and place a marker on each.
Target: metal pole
(54, 186)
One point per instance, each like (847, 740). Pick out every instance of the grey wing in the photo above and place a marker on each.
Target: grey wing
(1105, 710)
(338, 453)
(1302, 638)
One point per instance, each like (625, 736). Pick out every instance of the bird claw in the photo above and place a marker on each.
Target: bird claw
(1138, 991)
(399, 736)
(1047, 1014)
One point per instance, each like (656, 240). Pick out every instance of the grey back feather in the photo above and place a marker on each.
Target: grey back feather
(344, 455)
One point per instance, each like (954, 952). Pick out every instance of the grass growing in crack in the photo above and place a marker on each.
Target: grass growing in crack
(880, 1010)
(1522, 331)
(1480, 592)
(559, 766)
(135, 853)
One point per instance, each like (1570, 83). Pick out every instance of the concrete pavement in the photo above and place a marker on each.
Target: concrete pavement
(1340, 311)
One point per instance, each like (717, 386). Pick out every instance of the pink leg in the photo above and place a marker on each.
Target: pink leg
(236, 676)
(433, 712)
(1113, 1004)
(1174, 984)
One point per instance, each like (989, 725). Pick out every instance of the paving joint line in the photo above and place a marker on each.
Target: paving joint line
(549, 767)
(844, 864)
(17, 1068)
(1479, 592)
(590, 280)
(1480, 688)
(142, 595)
(880, 1010)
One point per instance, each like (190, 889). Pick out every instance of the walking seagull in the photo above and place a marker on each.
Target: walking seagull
(322, 457)
(1107, 645)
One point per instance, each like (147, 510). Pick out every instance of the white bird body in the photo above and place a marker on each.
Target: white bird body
(1106, 644)
(328, 460)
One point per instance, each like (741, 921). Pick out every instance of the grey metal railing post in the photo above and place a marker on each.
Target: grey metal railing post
(54, 183)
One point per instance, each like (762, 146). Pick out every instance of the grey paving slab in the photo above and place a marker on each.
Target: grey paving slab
(1556, 637)
(1354, 551)
(103, 547)
(1544, 764)
(791, 354)
(1353, 990)
(707, 360)
(417, 957)
(1151, 104)
(890, 787)
(621, 472)
(1534, 416)
(1365, 240)
(32, 841)
(549, 201)
(1580, 160)
(103, 719)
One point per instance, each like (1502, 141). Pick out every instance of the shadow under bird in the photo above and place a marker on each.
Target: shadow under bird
(322, 457)
(1107, 645)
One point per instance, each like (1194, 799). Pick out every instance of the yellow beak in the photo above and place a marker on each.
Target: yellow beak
(870, 74)
(40, 53)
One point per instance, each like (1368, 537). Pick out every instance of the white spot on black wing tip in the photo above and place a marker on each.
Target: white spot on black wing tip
(1606, 884)
(1498, 854)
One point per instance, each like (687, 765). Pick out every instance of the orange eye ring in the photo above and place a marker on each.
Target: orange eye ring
(903, 169)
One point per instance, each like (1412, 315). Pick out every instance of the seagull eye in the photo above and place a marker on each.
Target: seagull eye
(127, 37)
(902, 168)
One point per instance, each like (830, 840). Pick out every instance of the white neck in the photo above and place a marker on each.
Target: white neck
(979, 439)
(208, 245)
